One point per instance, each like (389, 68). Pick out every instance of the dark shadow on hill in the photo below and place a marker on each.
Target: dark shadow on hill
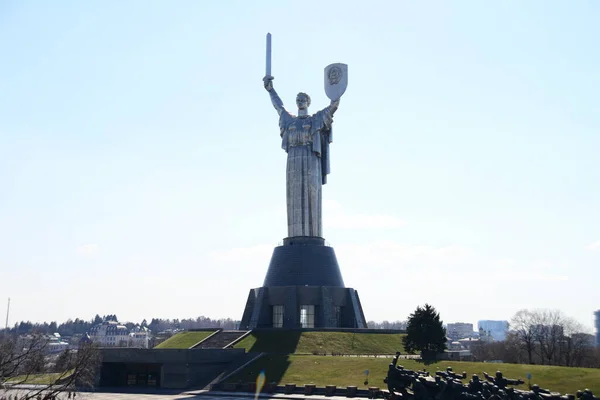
(276, 341)
(278, 344)
(274, 366)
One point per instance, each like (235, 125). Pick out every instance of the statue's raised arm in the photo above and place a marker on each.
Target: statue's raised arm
(334, 105)
(275, 99)
(330, 110)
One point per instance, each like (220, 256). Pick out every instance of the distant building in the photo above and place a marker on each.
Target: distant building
(584, 339)
(85, 340)
(484, 337)
(139, 337)
(50, 344)
(56, 344)
(547, 330)
(597, 314)
(459, 330)
(496, 329)
(113, 334)
(468, 343)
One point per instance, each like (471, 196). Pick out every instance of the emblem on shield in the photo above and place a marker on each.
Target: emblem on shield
(336, 80)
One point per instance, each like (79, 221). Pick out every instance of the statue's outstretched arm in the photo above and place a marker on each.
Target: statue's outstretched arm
(333, 106)
(327, 112)
(276, 101)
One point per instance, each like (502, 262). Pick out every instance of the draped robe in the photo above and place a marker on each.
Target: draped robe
(306, 140)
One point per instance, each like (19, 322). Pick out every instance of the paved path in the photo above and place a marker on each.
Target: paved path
(196, 395)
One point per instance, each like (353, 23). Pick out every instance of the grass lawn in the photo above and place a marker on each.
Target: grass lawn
(184, 340)
(296, 342)
(345, 371)
(38, 379)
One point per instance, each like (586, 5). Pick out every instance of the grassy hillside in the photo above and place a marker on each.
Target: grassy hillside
(297, 342)
(184, 340)
(344, 371)
(39, 379)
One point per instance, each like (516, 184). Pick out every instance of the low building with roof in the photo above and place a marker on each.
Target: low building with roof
(114, 334)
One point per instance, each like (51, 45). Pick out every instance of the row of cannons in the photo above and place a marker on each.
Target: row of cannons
(448, 385)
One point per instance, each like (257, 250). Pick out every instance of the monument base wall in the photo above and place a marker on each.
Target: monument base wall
(334, 307)
(303, 260)
(303, 288)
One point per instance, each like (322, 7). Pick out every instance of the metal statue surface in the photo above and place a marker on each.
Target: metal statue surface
(336, 80)
(306, 140)
(500, 381)
(447, 385)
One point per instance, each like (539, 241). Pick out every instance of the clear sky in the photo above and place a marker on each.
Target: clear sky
(141, 169)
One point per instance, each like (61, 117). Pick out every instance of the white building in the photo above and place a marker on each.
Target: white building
(468, 343)
(496, 329)
(139, 337)
(56, 344)
(113, 334)
(485, 337)
(459, 330)
(50, 344)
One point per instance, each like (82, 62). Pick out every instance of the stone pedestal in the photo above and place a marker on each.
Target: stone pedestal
(303, 284)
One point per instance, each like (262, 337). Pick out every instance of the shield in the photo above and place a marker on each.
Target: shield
(336, 80)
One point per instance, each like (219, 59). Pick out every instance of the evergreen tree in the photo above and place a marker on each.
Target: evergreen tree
(425, 332)
(154, 325)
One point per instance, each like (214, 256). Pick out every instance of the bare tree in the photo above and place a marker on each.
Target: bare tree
(523, 328)
(551, 338)
(23, 361)
(548, 328)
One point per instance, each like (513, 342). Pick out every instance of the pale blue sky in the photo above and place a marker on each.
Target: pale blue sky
(141, 171)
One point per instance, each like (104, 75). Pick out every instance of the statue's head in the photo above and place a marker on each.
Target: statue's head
(303, 101)
(475, 378)
(498, 374)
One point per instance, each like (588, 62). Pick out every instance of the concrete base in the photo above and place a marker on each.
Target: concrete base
(334, 307)
(303, 272)
(164, 368)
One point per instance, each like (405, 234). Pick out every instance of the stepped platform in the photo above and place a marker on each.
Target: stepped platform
(220, 340)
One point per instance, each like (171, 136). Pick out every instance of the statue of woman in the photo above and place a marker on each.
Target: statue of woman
(306, 140)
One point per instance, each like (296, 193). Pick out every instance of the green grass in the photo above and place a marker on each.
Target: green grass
(345, 371)
(296, 342)
(184, 340)
(38, 379)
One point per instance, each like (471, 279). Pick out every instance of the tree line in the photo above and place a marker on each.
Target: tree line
(80, 326)
(398, 325)
(543, 337)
